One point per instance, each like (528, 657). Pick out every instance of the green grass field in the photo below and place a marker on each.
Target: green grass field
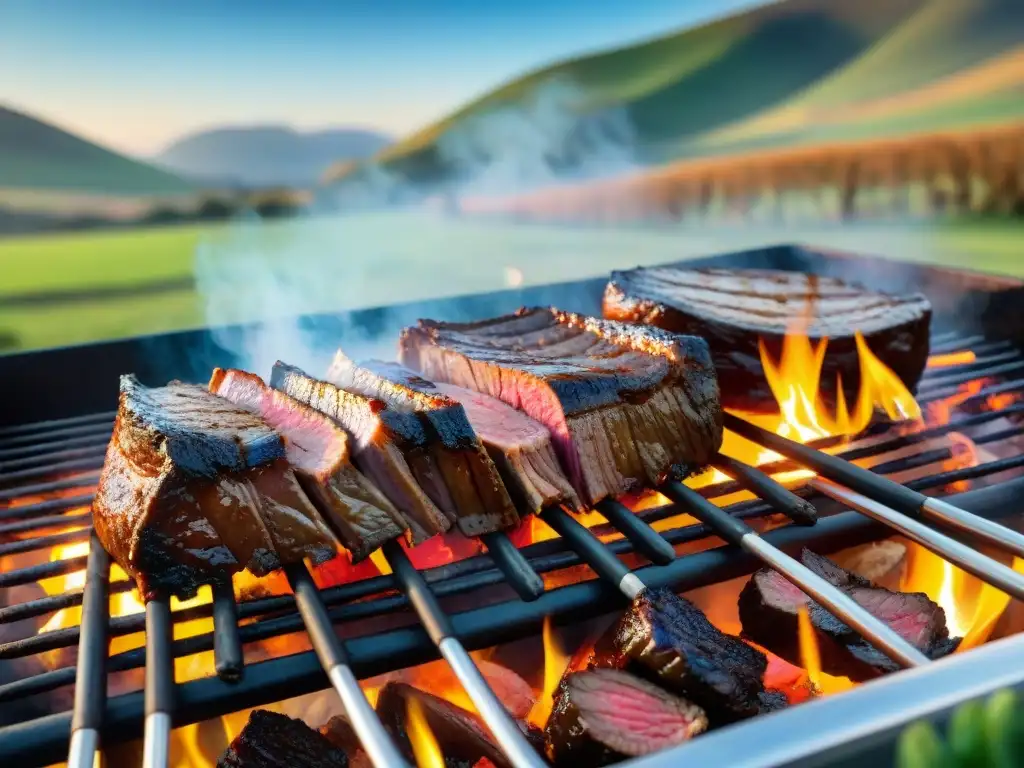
(333, 264)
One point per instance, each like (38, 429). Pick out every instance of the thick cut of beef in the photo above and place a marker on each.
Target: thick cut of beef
(195, 488)
(338, 730)
(735, 309)
(385, 441)
(458, 474)
(270, 740)
(461, 736)
(602, 716)
(317, 449)
(769, 606)
(626, 405)
(668, 640)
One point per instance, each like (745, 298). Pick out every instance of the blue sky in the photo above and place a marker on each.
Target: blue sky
(137, 74)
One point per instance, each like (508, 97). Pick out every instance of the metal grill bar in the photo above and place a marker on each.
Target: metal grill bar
(159, 683)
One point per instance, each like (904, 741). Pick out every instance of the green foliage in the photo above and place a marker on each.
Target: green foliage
(987, 734)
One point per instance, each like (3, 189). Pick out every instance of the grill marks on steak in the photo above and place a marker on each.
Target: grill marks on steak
(195, 488)
(384, 441)
(668, 640)
(317, 449)
(521, 448)
(271, 740)
(625, 405)
(769, 605)
(470, 490)
(735, 308)
(601, 716)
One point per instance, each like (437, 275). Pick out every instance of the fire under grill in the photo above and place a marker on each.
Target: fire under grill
(50, 461)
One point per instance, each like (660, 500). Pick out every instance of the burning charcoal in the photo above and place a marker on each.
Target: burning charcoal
(670, 641)
(771, 701)
(195, 488)
(458, 473)
(270, 740)
(604, 715)
(769, 605)
(625, 405)
(739, 310)
(318, 451)
(387, 443)
(460, 734)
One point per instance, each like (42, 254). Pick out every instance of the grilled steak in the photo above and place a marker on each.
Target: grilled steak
(769, 605)
(668, 640)
(385, 440)
(195, 488)
(338, 730)
(270, 740)
(460, 734)
(734, 309)
(317, 449)
(456, 471)
(602, 716)
(625, 405)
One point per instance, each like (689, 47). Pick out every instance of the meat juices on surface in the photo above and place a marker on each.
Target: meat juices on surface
(769, 605)
(668, 640)
(382, 438)
(271, 740)
(194, 488)
(601, 716)
(626, 405)
(734, 309)
(317, 449)
(472, 493)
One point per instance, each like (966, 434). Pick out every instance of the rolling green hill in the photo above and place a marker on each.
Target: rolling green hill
(781, 73)
(39, 156)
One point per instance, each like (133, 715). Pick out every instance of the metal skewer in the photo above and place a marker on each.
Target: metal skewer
(331, 653)
(505, 730)
(985, 568)
(91, 676)
(881, 489)
(159, 683)
(737, 532)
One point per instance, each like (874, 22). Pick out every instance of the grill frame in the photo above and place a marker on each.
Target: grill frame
(513, 619)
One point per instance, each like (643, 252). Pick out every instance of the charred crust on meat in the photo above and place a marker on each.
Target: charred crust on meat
(271, 740)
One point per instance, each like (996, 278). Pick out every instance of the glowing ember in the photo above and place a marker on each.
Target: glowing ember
(953, 358)
(424, 745)
(555, 663)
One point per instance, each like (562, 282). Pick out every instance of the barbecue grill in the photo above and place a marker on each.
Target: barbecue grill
(56, 416)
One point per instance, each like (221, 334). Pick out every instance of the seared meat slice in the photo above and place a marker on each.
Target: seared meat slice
(338, 730)
(469, 489)
(385, 442)
(460, 734)
(317, 449)
(521, 448)
(738, 309)
(270, 740)
(769, 605)
(602, 716)
(626, 405)
(195, 488)
(668, 640)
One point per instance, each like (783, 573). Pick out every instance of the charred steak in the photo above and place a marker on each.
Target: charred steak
(601, 716)
(458, 474)
(270, 740)
(387, 443)
(626, 405)
(734, 308)
(317, 448)
(769, 605)
(195, 488)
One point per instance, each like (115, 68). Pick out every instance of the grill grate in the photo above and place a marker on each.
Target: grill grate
(47, 450)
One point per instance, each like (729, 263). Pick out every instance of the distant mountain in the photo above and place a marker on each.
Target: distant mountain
(262, 156)
(783, 73)
(39, 156)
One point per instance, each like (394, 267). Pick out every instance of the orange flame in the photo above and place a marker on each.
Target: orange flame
(810, 657)
(555, 663)
(424, 745)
